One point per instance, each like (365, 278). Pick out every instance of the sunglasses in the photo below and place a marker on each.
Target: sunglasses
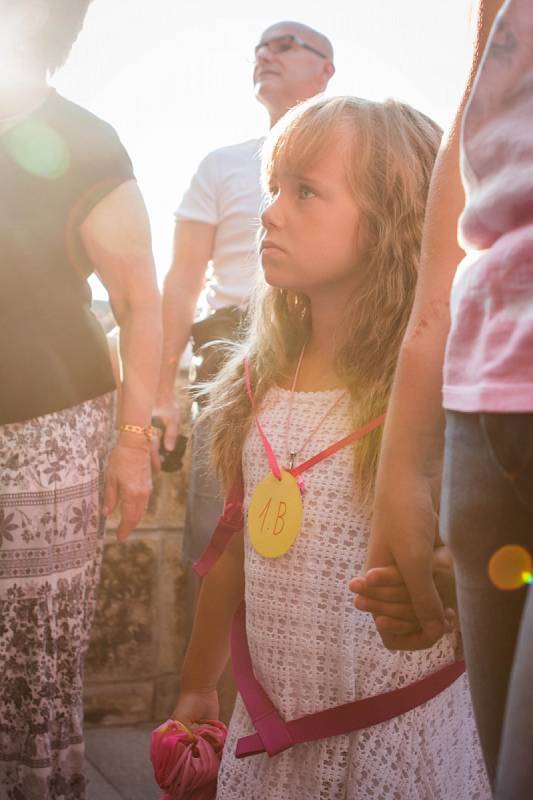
(280, 44)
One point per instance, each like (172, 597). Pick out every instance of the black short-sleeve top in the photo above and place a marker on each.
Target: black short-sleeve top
(55, 166)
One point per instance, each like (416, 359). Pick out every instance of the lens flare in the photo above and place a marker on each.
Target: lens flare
(37, 148)
(511, 567)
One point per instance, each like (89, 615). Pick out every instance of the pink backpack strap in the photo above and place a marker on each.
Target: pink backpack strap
(272, 732)
(274, 735)
(230, 522)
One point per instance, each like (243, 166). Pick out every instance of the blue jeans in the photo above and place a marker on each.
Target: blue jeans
(205, 499)
(487, 502)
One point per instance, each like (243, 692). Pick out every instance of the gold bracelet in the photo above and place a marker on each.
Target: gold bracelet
(148, 432)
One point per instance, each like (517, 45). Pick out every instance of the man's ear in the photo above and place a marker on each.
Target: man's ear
(329, 69)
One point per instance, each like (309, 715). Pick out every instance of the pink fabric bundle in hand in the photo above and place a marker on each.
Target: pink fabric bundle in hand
(186, 762)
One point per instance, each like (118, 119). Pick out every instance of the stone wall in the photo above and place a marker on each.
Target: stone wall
(138, 638)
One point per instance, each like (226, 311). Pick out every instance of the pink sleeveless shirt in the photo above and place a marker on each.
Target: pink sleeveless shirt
(489, 356)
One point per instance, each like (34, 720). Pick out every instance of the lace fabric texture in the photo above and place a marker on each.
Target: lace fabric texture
(311, 648)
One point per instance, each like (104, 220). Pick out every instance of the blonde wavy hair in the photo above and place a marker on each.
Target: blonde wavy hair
(392, 149)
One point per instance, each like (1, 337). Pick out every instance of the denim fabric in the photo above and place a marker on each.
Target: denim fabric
(487, 502)
(204, 499)
(515, 767)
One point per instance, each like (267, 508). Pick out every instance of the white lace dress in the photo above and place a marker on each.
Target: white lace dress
(311, 649)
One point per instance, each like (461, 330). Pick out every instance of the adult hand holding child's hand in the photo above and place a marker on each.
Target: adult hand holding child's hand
(383, 593)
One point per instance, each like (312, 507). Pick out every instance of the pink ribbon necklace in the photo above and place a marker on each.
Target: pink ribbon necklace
(290, 453)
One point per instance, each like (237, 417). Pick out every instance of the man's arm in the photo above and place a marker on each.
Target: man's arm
(193, 249)
(403, 530)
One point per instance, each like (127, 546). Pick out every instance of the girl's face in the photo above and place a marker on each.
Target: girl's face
(310, 232)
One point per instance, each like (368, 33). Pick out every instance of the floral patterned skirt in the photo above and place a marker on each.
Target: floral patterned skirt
(51, 541)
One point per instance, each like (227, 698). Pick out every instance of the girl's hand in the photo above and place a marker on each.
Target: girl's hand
(383, 593)
(195, 706)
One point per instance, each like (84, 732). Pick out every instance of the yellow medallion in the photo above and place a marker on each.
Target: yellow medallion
(275, 515)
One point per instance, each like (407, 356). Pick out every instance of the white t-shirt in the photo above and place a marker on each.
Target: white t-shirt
(226, 191)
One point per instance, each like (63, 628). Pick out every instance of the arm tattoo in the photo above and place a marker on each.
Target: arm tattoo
(504, 44)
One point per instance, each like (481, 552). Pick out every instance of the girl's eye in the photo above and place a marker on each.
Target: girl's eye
(272, 193)
(305, 192)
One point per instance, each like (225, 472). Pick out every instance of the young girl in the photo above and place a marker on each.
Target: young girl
(347, 182)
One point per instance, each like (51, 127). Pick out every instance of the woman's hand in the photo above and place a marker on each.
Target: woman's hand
(128, 485)
(195, 706)
(404, 533)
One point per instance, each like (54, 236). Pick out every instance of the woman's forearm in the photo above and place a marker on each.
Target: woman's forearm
(413, 437)
(140, 350)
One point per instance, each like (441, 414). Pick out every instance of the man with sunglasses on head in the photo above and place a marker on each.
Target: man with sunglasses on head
(216, 223)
